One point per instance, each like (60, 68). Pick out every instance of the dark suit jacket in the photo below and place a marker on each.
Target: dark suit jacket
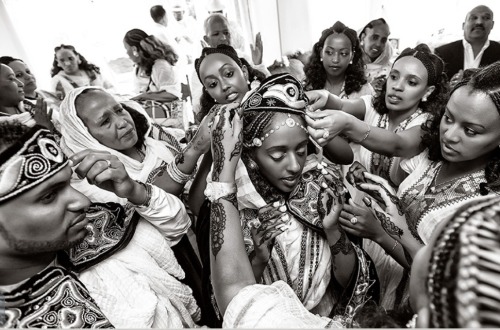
(453, 56)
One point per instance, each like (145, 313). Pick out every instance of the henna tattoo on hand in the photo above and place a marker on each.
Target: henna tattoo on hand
(394, 199)
(342, 245)
(218, 148)
(237, 147)
(388, 225)
(217, 226)
(179, 159)
(231, 198)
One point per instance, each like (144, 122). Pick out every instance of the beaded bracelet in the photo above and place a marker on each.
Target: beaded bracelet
(177, 175)
(366, 135)
(149, 193)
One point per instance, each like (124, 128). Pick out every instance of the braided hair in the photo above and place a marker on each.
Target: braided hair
(90, 68)
(484, 81)
(354, 75)
(206, 101)
(434, 66)
(463, 271)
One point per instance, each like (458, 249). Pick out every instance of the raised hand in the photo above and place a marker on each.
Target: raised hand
(227, 139)
(42, 115)
(257, 50)
(107, 172)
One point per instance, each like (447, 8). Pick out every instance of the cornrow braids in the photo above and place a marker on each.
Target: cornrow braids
(254, 124)
(463, 265)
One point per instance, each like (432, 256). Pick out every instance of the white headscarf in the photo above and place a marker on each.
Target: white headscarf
(76, 137)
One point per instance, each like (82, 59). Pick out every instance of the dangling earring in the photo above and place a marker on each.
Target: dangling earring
(135, 53)
(255, 83)
(215, 100)
(321, 59)
(350, 62)
(424, 99)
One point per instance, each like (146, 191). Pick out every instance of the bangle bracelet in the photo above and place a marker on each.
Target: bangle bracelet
(394, 247)
(366, 134)
(149, 193)
(177, 175)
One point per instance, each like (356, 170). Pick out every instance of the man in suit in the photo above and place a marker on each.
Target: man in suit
(475, 49)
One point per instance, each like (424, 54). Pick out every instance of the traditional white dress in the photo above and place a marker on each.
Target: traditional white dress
(144, 277)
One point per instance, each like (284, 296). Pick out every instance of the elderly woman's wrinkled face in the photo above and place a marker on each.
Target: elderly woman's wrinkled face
(11, 88)
(68, 61)
(223, 79)
(107, 121)
(336, 54)
(282, 156)
(470, 127)
(24, 74)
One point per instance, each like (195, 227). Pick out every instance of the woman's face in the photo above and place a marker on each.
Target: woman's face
(406, 85)
(374, 40)
(470, 127)
(107, 121)
(24, 74)
(68, 61)
(11, 88)
(282, 156)
(130, 52)
(336, 54)
(223, 79)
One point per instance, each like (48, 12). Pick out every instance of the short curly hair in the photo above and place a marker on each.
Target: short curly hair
(355, 73)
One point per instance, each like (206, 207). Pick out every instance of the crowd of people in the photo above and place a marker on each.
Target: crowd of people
(353, 188)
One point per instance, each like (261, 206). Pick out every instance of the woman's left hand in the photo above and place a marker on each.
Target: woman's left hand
(324, 125)
(42, 115)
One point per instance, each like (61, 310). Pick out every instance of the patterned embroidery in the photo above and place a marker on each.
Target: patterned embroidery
(54, 298)
(109, 230)
(381, 165)
(422, 198)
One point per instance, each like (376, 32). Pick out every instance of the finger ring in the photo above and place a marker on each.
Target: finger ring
(255, 223)
(108, 162)
(354, 220)
(326, 134)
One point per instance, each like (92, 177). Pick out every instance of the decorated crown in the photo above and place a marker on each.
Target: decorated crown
(30, 161)
(278, 93)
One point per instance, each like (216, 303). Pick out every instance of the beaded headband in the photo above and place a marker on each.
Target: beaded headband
(289, 122)
(434, 71)
(30, 161)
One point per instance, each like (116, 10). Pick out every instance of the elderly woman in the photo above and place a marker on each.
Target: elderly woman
(91, 119)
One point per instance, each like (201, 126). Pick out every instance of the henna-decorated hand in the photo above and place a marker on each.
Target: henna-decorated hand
(272, 221)
(366, 225)
(356, 176)
(201, 139)
(227, 139)
(391, 216)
